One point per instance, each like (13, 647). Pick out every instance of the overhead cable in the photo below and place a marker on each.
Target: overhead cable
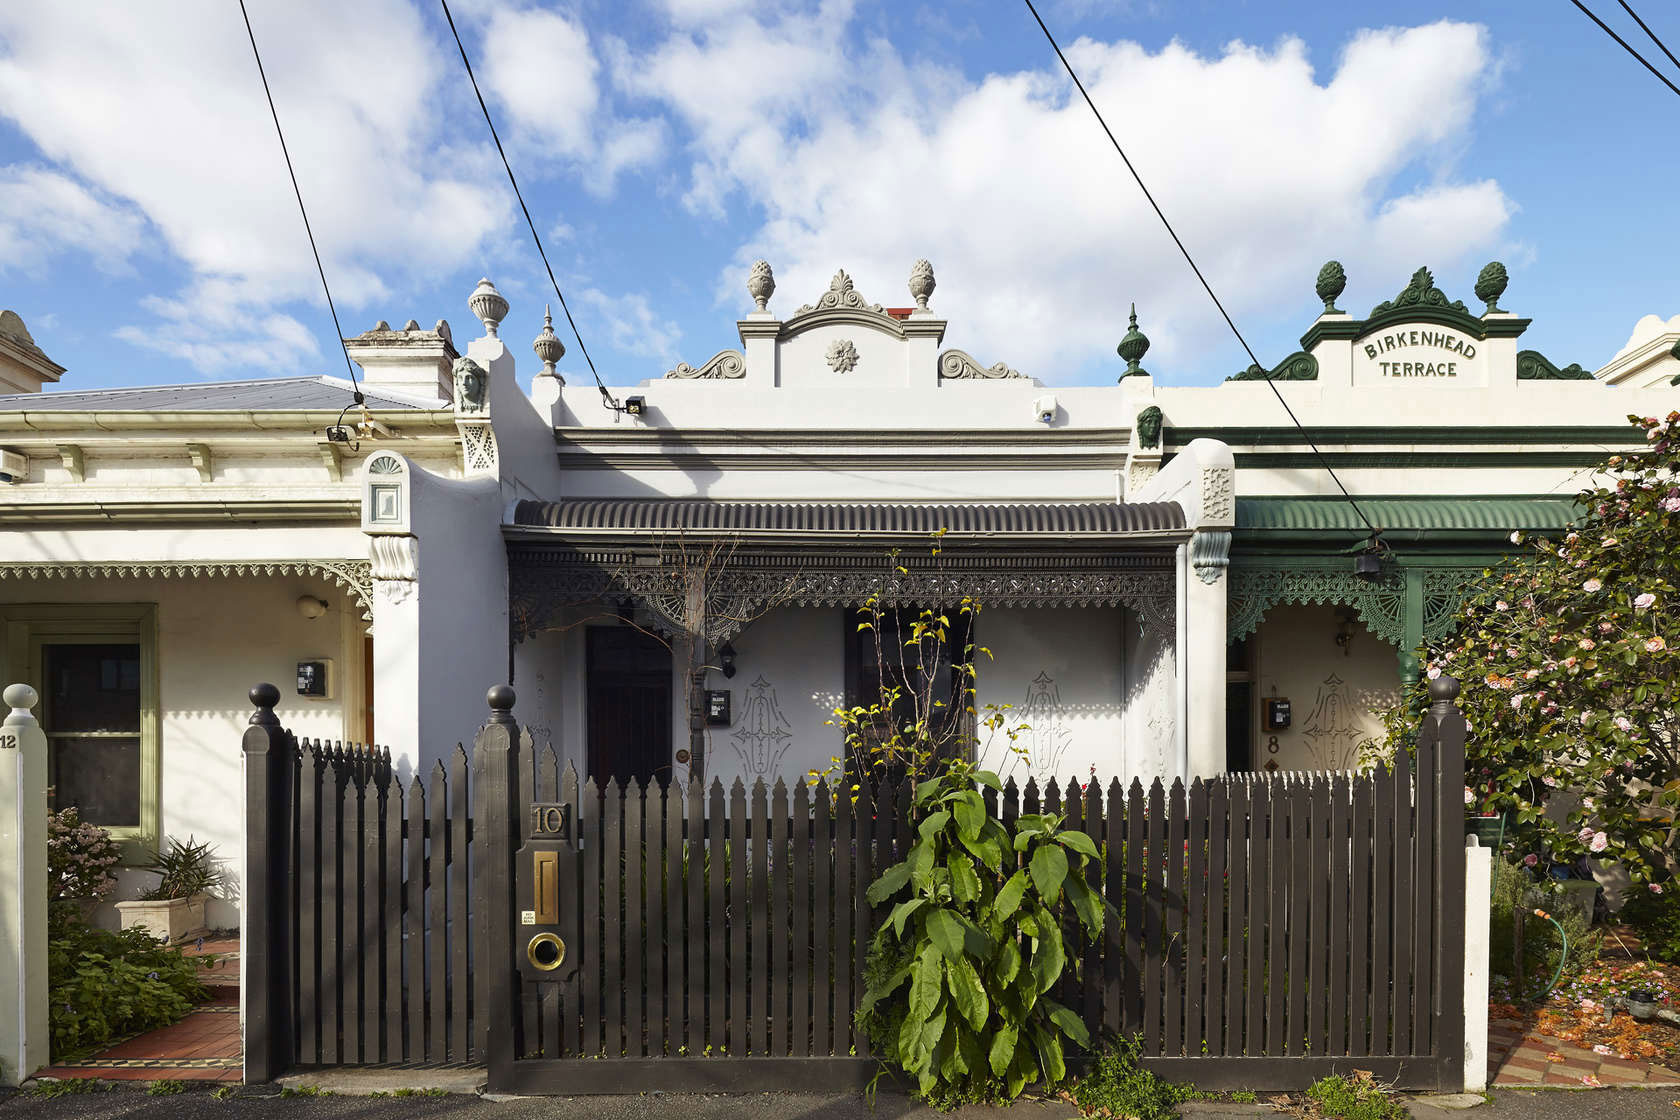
(606, 396)
(1325, 463)
(1624, 45)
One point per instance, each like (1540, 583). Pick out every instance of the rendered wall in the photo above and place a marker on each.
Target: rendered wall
(216, 638)
(1332, 693)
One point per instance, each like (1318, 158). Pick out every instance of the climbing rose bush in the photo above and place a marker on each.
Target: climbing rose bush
(79, 857)
(1567, 663)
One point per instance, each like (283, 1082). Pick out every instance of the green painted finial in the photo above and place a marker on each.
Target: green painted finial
(1332, 279)
(1132, 348)
(1490, 285)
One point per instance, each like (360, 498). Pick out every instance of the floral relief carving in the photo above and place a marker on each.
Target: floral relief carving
(841, 355)
(1218, 494)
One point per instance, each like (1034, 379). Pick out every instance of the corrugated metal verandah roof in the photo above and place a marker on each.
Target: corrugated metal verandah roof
(858, 518)
(1500, 513)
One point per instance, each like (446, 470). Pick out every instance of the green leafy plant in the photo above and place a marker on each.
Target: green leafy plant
(1517, 888)
(225, 1092)
(1354, 1098)
(164, 1087)
(1568, 657)
(958, 976)
(1654, 914)
(68, 1086)
(103, 984)
(80, 857)
(1119, 1087)
(187, 869)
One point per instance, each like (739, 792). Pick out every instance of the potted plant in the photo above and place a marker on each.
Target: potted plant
(174, 909)
(1481, 820)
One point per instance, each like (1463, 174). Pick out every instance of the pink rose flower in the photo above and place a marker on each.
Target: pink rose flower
(1587, 643)
(1501, 605)
(1656, 888)
(1655, 645)
(1644, 600)
(1594, 584)
(1530, 860)
(1599, 842)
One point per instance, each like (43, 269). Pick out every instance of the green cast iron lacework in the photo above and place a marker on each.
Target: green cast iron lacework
(1380, 603)
(1533, 366)
(1299, 366)
(1331, 514)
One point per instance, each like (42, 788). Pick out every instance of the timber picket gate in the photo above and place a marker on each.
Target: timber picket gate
(1267, 929)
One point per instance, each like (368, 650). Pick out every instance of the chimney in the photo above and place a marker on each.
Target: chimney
(411, 361)
(23, 368)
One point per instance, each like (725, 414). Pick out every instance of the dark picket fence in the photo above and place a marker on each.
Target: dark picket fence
(1268, 929)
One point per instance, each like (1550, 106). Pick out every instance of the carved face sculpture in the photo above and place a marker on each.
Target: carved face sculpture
(469, 385)
(1149, 427)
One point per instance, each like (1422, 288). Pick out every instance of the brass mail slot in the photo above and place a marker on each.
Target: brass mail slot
(545, 888)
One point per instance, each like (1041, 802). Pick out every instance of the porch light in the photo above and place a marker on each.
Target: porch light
(726, 658)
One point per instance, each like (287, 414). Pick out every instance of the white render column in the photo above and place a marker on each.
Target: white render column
(23, 889)
(1202, 480)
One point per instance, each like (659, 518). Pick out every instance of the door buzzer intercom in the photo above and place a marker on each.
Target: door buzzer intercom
(547, 859)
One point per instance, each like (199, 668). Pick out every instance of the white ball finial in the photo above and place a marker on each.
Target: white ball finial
(487, 303)
(548, 347)
(20, 698)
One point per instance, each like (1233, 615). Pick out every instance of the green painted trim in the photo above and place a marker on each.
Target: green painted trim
(1326, 330)
(1416, 460)
(26, 626)
(1321, 513)
(1535, 366)
(1613, 438)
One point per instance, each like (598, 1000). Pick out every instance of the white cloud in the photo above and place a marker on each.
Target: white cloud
(43, 212)
(632, 325)
(162, 108)
(860, 158)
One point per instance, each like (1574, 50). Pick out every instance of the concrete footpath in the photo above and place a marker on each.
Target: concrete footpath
(132, 1103)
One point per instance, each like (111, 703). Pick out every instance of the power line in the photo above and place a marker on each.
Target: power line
(338, 331)
(1325, 463)
(1624, 44)
(606, 396)
(1661, 46)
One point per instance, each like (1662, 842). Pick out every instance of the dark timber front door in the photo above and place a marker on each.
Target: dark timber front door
(629, 677)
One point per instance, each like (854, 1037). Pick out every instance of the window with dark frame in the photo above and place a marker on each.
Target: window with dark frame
(92, 723)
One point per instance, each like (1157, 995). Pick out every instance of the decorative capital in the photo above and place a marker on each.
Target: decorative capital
(548, 347)
(761, 284)
(1132, 348)
(487, 303)
(1210, 554)
(1332, 280)
(1490, 285)
(921, 283)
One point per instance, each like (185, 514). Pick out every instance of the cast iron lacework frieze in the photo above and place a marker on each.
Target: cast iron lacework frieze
(354, 576)
(545, 583)
(1380, 603)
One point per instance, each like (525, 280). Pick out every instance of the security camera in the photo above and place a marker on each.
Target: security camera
(1044, 409)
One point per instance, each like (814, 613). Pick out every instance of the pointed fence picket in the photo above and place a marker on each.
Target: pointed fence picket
(1263, 928)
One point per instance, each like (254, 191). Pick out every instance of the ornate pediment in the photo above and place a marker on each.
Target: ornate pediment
(1421, 292)
(841, 294)
(842, 303)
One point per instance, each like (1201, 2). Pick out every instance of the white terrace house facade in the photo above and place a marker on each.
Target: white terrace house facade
(1167, 574)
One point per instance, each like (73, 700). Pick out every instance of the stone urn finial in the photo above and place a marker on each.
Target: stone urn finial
(1132, 348)
(487, 303)
(921, 283)
(1332, 280)
(1490, 285)
(761, 284)
(548, 347)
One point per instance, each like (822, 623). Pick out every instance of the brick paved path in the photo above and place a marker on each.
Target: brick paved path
(1517, 1059)
(205, 1046)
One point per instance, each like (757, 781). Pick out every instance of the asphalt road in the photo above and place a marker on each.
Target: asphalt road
(262, 1104)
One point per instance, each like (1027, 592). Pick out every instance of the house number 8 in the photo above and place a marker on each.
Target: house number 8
(1271, 744)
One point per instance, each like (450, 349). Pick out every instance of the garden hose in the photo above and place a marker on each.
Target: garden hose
(1562, 957)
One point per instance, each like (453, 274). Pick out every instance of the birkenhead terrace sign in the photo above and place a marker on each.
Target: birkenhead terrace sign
(1430, 352)
(1419, 338)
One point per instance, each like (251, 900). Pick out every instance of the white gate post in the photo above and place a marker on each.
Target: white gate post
(23, 889)
(1478, 886)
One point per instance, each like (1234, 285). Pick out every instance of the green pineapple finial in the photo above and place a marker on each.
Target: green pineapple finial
(1332, 279)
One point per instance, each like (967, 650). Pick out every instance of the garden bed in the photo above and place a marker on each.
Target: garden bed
(1574, 1012)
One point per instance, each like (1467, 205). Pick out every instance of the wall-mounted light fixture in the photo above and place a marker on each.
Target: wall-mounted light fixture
(310, 607)
(1344, 630)
(635, 406)
(726, 659)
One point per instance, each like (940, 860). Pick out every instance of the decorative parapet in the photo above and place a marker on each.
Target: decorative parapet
(725, 365)
(1533, 366)
(1299, 366)
(842, 295)
(354, 576)
(1420, 292)
(959, 365)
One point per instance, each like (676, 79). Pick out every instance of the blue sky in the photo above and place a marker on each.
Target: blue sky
(148, 234)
